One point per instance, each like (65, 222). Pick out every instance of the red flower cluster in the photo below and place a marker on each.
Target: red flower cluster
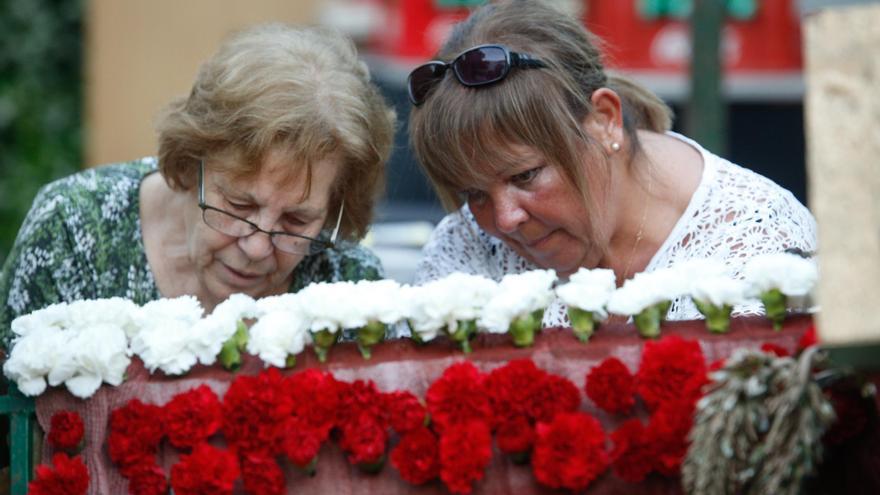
(363, 424)
(458, 396)
(147, 479)
(206, 470)
(405, 411)
(254, 411)
(66, 431)
(66, 477)
(520, 394)
(669, 381)
(417, 456)
(136, 430)
(569, 451)
(192, 417)
(667, 367)
(465, 451)
(262, 475)
(611, 386)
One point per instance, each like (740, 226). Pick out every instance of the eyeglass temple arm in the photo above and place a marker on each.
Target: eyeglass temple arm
(338, 223)
(523, 60)
(201, 182)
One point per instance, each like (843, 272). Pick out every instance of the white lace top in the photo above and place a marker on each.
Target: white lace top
(733, 215)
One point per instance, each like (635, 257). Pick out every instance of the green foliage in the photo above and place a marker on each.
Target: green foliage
(40, 102)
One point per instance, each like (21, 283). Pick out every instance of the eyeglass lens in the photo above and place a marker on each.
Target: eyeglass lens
(236, 227)
(423, 79)
(481, 65)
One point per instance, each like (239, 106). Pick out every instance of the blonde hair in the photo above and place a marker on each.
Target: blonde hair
(457, 127)
(301, 89)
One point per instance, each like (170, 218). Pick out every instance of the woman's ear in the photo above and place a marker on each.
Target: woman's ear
(605, 122)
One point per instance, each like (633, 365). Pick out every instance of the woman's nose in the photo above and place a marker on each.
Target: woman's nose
(256, 246)
(509, 213)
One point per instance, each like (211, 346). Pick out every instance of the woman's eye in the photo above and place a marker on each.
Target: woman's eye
(294, 221)
(525, 177)
(238, 206)
(474, 196)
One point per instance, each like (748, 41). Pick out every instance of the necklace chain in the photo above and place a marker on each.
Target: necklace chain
(640, 232)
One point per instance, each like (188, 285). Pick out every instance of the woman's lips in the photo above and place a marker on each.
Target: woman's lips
(241, 277)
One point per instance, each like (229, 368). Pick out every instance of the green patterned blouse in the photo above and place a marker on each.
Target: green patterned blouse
(82, 240)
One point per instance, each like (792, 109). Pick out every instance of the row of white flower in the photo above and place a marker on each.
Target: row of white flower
(85, 343)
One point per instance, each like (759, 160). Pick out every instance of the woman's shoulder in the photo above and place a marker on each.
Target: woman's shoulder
(458, 244)
(347, 261)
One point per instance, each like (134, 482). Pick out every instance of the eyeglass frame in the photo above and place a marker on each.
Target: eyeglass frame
(512, 59)
(322, 244)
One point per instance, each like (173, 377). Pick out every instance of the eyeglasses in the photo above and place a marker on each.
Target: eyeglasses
(478, 66)
(236, 226)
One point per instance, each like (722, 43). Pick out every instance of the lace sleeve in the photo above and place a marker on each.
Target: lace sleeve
(456, 245)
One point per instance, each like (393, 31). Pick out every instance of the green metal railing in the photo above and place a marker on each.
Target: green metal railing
(22, 428)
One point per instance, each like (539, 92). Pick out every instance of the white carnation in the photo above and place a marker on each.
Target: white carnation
(166, 329)
(719, 290)
(790, 273)
(114, 311)
(378, 300)
(329, 306)
(33, 356)
(588, 290)
(441, 304)
(517, 295)
(647, 289)
(279, 334)
(52, 316)
(97, 353)
(209, 334)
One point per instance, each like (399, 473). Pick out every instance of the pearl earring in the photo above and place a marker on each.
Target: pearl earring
(615, 146)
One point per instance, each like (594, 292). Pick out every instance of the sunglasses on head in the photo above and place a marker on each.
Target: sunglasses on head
(478, 66)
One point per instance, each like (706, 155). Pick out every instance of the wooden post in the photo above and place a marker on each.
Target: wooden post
(707, 110)
(843, 147)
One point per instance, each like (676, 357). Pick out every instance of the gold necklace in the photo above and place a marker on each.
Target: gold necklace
(640, 232)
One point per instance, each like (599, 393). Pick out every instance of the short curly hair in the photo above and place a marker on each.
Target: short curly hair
(297, 88)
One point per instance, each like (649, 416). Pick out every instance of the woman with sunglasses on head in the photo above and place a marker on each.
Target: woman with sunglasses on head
(265, 172)
(549, 162)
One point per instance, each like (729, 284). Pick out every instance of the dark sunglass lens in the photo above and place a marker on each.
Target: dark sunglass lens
(422, 79)
(481, 65)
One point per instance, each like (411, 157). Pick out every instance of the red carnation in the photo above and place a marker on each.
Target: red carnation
(206, 470)
(315, 398)
(457, 397)
(405, 411)
(808, 339)
(511, 387)
(66, 477)
(254, 411)
(417, 456)
(262, 475)
(668, 432)
(569, 451)
(632, 456)
(66, 431)
(364, 440)
(515, 436)
(554, 395)
(667, 367)
(611, 386)
(191, 417)
(135, 432)
(301, 442)
(465, 451)
(360, 398)
(147, 479)
(776, 350)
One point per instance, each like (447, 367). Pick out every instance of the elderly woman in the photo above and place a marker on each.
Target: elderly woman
(551, 163)
(273, 159)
